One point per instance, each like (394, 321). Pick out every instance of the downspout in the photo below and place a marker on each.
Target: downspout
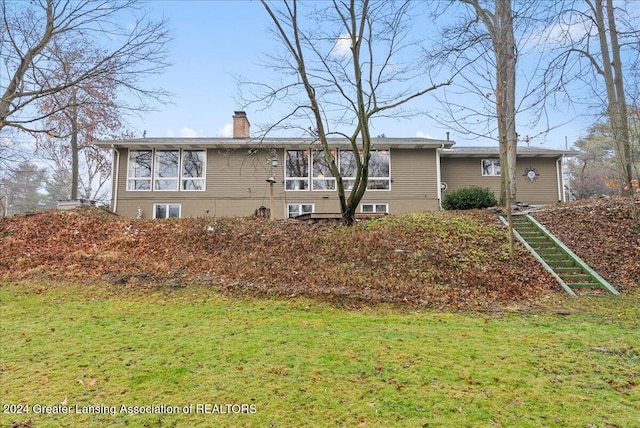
(438, 177)
(115, 175)
(560, 179)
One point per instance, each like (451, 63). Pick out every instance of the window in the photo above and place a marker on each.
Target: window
(139, 172)
(297, 170)
(294, 210)
(490, 167)
(379, 174)
(375, 208)
(169, 170)
(166, 210)
(193, 166)
(348, 168)
(322, 176)
(166, 171)
(379, 170)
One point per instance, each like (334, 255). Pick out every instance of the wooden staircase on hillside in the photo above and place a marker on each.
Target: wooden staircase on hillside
(567, 268)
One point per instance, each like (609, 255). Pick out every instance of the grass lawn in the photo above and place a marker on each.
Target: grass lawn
(106, 353)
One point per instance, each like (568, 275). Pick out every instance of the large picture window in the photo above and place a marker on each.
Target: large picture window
(490, 167)
(297, 170)
(322, 177)
(166, 170)
(315, 174)
(193, 165)
(139, 171)
(379, 170)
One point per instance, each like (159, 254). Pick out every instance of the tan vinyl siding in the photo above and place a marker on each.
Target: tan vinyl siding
(414, 182)
(464, 172)
(236, 186)
(544, 190)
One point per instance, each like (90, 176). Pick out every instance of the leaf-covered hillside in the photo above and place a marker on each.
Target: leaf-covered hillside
(603, 233)
(438, 259)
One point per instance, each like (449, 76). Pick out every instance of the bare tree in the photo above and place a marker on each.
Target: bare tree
(132, 48)
(93, 112)
(492, 45)
(343, 60)
(601, 55)
(483, 48)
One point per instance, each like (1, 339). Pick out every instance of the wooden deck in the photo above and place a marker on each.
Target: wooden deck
(337, 216)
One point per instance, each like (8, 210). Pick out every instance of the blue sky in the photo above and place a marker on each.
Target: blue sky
(215, 40)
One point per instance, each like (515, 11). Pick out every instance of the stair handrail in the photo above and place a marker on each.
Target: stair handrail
(573, 255)
(543, 262)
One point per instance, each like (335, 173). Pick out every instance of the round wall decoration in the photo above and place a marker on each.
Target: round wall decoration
(531, 174)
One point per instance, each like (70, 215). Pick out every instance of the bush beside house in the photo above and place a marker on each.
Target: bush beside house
(469, 198)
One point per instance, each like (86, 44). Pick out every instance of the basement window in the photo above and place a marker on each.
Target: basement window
(375, 208)
(166, 210)
(294, 210)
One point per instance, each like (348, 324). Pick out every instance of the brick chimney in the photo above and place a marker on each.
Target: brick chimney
(241, 125)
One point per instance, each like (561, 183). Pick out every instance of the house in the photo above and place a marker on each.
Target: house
(241, 176)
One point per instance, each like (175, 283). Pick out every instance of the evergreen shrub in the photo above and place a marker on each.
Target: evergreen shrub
(468, 198)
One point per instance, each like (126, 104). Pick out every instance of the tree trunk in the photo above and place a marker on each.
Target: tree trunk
(73, 117)
(505, 51)
(617, 105)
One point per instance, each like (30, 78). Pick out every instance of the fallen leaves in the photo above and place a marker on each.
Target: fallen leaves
(603, 234)
(447, 260)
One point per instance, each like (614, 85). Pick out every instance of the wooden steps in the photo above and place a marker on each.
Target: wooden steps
(571, 272)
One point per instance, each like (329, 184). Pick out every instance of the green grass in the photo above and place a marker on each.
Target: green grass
(302, 363)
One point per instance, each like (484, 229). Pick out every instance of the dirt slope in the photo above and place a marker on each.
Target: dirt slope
(442, 260)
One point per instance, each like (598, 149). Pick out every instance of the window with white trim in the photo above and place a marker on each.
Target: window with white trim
(348, 167)
(379, 169)
(322, 177)
(168, 170)
(166, 210)
(294, 210)
(296, 170)
(490, 167)
(193, 167)
(139, 170)
(374, 208)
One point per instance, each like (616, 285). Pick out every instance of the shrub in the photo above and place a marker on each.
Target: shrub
(469, 198)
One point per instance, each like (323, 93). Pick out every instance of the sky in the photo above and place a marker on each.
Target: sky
(213, 41)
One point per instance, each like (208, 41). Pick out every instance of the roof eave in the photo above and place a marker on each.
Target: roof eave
(276, 143)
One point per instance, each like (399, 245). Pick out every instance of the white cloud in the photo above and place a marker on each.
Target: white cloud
(226, 131)
(187, 132)
(342, 47)
(421, 134)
